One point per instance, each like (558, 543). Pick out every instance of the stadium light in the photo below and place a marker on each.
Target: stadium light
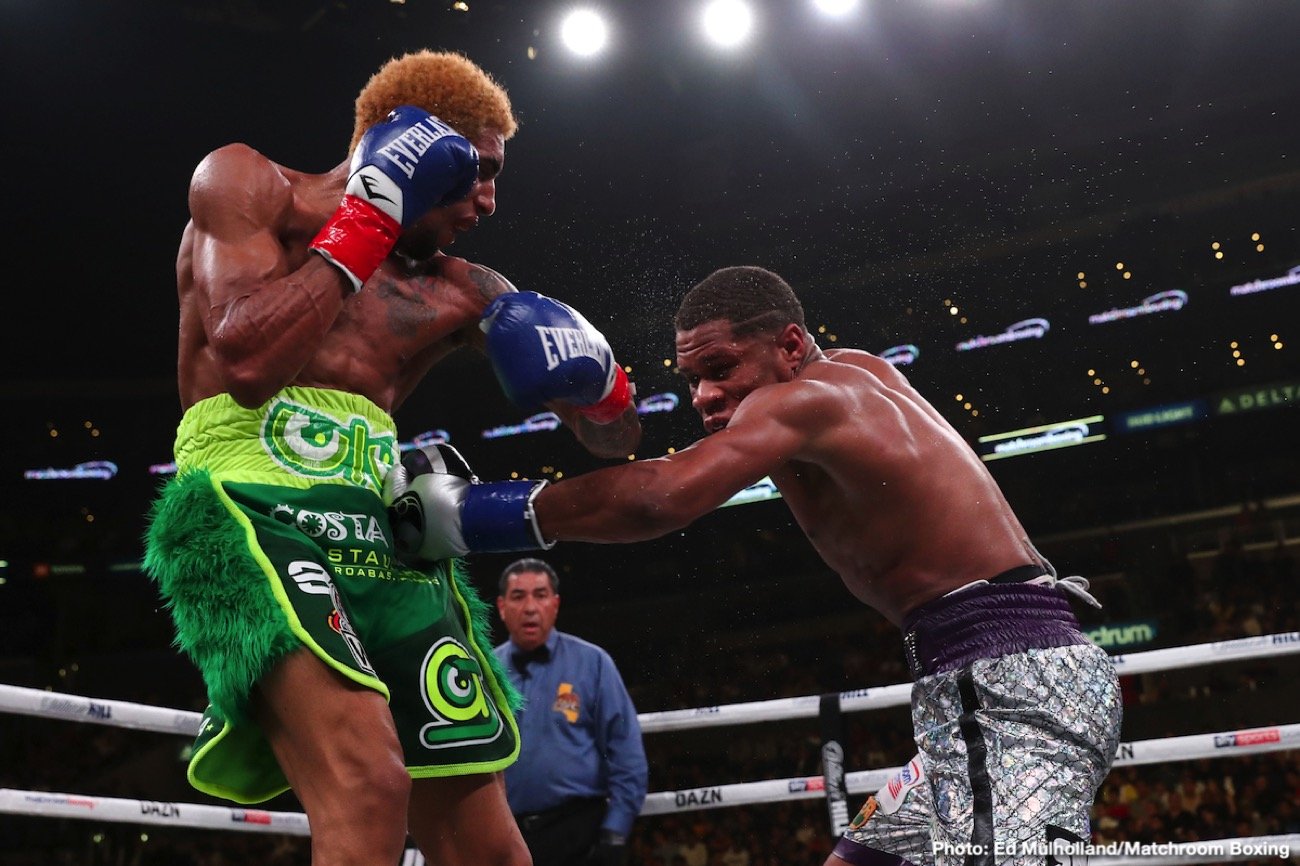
(727, 22)
(835, 8)
(583, 32)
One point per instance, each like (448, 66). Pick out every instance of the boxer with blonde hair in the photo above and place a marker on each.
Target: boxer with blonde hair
(311, 306)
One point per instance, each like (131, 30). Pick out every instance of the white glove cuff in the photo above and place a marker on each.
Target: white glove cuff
(530, 514)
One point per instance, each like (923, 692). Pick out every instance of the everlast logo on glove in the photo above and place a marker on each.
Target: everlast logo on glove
(544, 350)
(405, 150)
(561, 344)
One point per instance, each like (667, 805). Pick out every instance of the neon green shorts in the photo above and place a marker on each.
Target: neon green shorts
(272, 537)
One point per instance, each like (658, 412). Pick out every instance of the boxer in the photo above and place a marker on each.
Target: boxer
(1015, 712)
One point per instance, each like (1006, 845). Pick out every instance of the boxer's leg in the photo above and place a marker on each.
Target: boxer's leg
(464, 821)
(336, 743)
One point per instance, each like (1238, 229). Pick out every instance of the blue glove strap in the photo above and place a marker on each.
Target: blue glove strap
(498, 517)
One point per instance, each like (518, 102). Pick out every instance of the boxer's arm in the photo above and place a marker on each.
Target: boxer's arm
(650, 498)
(263, 321)
(616, 439)
(453, 515)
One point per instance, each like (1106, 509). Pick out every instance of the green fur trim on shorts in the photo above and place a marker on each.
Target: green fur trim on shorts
(227, 618)
(481, 632)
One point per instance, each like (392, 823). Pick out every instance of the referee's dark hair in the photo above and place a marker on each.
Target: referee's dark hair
(519, 566)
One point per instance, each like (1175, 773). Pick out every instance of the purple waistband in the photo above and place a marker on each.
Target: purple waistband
(987, 621)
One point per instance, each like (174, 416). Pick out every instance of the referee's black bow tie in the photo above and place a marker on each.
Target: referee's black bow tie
(521, 658)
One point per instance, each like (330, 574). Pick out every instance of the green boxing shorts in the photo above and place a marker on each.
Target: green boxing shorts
(273, 537)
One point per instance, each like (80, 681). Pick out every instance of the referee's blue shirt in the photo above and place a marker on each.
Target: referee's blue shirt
(579, 736)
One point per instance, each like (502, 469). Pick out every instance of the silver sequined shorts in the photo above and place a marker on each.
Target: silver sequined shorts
(1012, 751)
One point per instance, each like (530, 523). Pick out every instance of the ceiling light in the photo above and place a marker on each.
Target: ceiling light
(727, 22)
(584, 32)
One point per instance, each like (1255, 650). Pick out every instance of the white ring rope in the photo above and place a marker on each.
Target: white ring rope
(124, 714)
(121, 811)
(295, 824)
(117, 714)
(857, 700)
(192, 815)
(1167, 750)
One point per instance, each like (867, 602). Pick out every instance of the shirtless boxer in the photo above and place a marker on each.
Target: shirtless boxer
(311, 305)
(1016, 714)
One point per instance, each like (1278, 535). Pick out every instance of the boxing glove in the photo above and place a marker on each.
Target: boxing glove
(544, 350)
(403, 166)
(439, 510)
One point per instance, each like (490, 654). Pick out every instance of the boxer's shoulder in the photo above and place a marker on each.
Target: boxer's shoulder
(859, 370)
(236, 162)
(236, 180)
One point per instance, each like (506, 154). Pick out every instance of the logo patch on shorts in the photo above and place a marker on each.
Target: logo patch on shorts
(891, 796)
(310, 577)
(314, 444)
(338, 621)
(453, 692)
(864, 814)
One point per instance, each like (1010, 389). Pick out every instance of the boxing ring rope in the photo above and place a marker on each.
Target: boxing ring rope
(1168, 750)
(295, 824)
(857, 700)
(117, 810)
(124, 714)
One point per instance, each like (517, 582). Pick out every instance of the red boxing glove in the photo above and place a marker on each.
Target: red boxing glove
(403, 166)
(615, 402)
(357, 238)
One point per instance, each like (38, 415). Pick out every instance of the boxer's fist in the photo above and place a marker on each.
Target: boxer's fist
(544, 350)
(439, 510)
(403, 166)
(443, 470)
(411, 162)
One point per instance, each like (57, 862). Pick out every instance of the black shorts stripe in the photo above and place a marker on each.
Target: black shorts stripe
(981, 840)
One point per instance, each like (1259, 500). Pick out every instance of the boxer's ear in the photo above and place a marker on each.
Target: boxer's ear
(793, 342)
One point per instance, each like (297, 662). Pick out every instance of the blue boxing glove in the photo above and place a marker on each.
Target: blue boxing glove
(439, 510)
(405, 165)
(544, 350)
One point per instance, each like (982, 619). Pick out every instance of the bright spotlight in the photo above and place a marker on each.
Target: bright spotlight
(583, 32)
(728, 22)
(836, 8)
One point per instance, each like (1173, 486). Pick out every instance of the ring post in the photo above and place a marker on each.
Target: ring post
(837, 795)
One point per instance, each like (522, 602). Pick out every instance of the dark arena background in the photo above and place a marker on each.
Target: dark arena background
(1073, 224)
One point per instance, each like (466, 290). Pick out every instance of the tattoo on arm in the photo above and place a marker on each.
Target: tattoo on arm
(489, 283)
(406, 304)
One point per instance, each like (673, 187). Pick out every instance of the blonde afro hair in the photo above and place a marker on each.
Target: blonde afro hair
(445, 84)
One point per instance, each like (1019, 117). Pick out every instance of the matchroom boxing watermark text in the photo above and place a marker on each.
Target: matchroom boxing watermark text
(1063, 851)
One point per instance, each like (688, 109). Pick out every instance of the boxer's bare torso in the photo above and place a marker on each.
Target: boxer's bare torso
(890, 495)
(259, 311)
(887, 492)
